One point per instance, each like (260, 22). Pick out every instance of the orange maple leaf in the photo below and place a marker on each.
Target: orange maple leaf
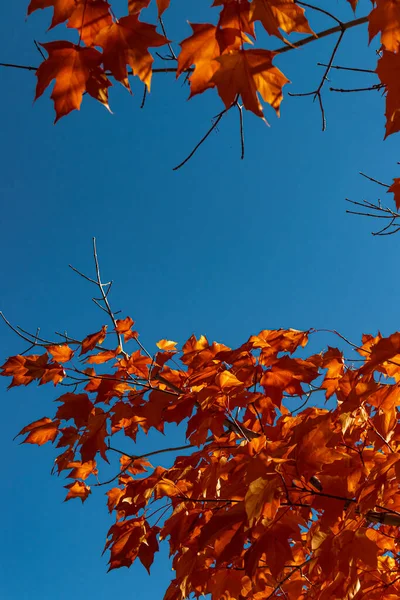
(77, 489)
(353, 4)
(63, 9)
(73, 67)
(395, 188)
(75, 406)
(25, 369)
(236, 16)
(262, 499)
(162, 6)
(227, 381)
(126, 43)
(80, 470)
(200, 49)
(388, 70)
(102, 357)
(279, 14)
(385, 18)
(41, 431)
(61, 354)
(247, 73)
(135, 6)
(89, 18)
(92, 441)
(94, 339)
(136, 364)
(166, 345)
(124, 325)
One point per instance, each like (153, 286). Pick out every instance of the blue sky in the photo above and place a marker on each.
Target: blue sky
(222, 247)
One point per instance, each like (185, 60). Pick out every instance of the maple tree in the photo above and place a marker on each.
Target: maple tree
(276, 498)
(273, 497)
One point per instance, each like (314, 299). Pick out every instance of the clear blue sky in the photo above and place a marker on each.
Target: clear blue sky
(222, 247)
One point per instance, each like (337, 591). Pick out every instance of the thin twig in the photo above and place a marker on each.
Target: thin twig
(173, 55)
(104, 296)
(374, 180)
(38, 48)
(203, 139)
(83, 20)
(371, 88)
(340, 68)
(144, 96)
(240, 109)
(134, 457)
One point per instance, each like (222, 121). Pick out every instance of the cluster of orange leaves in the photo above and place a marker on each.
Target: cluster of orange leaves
(216, 56)
(272, 497)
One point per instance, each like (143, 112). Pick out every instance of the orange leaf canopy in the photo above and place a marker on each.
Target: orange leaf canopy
(126, 43)
(75, 70)
(247, 73)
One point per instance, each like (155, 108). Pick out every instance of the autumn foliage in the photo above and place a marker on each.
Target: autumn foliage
(288, 484)
(219, 54)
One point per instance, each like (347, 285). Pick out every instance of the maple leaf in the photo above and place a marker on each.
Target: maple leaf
(262, 499)
(89, 18)
(166, 345)
(72, 67)
(395, 188)
(200, 49)
(77, 489)
(102, 357)
(124, 325)
(25, 369)
(114, 496)
(93, 340)
(41, 431)
(334, 363)
(235, 16)
(15, 367)
(125, 540)
(149, 547)
(61, 354)
(134, 466)
(126, 43)
(247, 73)
(280, 340)
(135, 6)
(274, 545)
(388, 71)
(279, 14)
(385, 349)
(353, 4)
(136, 364)
(62, 9)
(385, 18)
(75, 406)
(92, 441)
(81, 470)
(162, 6)
(227, 381)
